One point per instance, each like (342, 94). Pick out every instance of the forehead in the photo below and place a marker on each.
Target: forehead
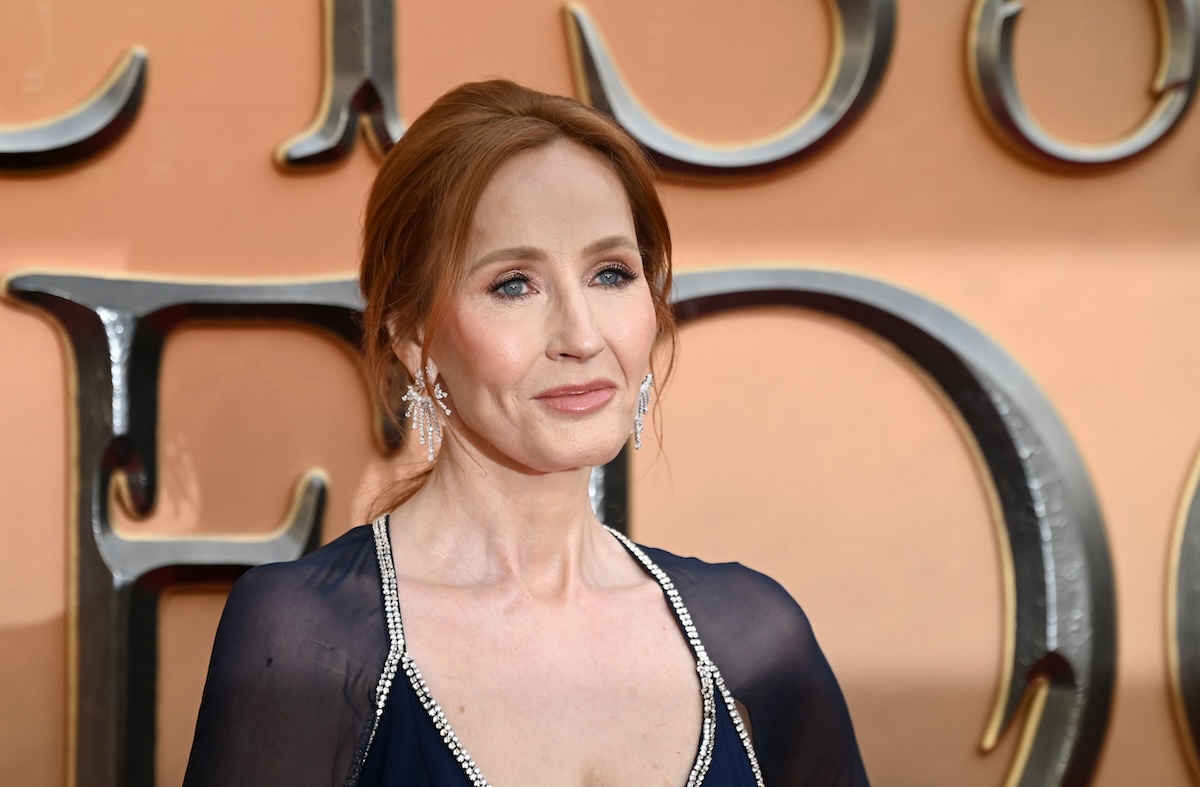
(553, 196)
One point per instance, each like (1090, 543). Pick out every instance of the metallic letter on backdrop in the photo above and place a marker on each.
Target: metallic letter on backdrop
(359, 83)
(863, 33)
(1058, 573)
(115, 330)
(83, 131)
(1183, 622)
(990, 60)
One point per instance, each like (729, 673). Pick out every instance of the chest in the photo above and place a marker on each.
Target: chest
(601, 692)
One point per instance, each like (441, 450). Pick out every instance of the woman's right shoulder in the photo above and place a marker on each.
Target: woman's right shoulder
(294, 667)
(322, 584)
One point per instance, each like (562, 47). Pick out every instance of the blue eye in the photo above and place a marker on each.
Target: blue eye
(516, 287)
(614, 277)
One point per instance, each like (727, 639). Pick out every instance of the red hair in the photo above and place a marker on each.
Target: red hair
(422, 202)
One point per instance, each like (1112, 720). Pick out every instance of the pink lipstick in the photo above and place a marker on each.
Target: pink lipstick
(581, 398)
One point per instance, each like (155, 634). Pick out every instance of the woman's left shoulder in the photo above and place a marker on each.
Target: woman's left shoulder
(735, 599)
(761, 640)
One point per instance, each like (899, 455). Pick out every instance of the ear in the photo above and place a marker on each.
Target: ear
(406, 345)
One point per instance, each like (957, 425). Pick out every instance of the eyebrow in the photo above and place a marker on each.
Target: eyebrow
(533, 253)
(609, 243)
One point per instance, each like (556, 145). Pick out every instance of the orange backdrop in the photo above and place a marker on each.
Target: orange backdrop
(792, 443)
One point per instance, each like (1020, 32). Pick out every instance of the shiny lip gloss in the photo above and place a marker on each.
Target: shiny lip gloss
(579, 398)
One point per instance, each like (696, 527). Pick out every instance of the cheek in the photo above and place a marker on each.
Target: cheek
(480, 356)
(635, 331)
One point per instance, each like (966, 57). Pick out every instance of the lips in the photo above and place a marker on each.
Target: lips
(579, 397)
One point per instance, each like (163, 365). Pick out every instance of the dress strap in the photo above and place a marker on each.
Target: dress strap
(708, 670)
(395, 627)
(398, 658)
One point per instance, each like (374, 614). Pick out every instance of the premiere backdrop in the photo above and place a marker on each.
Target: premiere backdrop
(971, 460)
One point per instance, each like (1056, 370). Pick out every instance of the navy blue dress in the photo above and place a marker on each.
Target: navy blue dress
(306, 685)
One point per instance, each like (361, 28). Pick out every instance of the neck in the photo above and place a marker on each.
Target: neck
(478, 522)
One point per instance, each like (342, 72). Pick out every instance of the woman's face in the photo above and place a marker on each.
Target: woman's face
(545, 347)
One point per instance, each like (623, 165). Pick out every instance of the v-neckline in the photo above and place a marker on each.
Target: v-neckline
(399, 659)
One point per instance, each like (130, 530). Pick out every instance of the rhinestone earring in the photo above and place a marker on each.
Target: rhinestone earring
(643, 405)
(421, 412)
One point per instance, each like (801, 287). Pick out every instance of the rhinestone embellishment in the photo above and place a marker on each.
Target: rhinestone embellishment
(391, 612)
(711, 682)
(709, 674)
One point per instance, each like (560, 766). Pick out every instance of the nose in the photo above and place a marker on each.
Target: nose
(573, 333)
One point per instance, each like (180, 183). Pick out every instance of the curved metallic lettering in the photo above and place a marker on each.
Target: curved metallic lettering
(83, 131)
(1058, 573)
(864, 30)
(1183, 621)
(359, 82)
(990, 60)
(115, 330)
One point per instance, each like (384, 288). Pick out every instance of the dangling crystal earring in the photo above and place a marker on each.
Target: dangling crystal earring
(421, 413)
(643, 406)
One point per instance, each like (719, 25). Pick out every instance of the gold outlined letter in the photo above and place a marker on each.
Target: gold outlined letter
(863, 33)
(990, 60)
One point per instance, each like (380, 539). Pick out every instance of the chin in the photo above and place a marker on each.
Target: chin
(584, 455)
(605, 456)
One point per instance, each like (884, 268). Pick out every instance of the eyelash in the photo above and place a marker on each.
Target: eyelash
(625, 272)
(627, 275)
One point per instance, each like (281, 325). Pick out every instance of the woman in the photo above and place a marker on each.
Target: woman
(516, 270)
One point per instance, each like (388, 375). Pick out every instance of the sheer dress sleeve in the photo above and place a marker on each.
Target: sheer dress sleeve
(292, 680)
(762, 642)
(290, 694)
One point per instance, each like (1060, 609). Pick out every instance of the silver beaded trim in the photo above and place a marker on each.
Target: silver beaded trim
(710, 677)
(741, 729)
(704, 667)
(397, 655)
(442, 723)
(391, 611)
(708, 670)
